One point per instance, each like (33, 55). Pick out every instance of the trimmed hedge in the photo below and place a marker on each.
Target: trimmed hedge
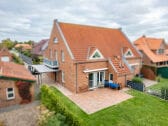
(137, 80)
(54, 103)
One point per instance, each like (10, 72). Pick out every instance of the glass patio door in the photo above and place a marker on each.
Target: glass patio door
(92, 80)
(96, 78)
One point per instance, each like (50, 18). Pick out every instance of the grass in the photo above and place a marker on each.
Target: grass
(163, 82)
(141, 110)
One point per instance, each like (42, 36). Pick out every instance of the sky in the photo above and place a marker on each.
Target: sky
(24, 20)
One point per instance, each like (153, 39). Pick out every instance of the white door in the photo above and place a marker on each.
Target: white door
(5, 59)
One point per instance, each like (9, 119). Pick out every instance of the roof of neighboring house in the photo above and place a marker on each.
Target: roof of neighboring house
(153, 43)
(5, 52)
(15, 71)
(40, 47)
(24, 46)
(143, 44)
(108, 41)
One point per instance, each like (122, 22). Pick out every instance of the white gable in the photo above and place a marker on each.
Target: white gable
(96, 55)
(128, 53)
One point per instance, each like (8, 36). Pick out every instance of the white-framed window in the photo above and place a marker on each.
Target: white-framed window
(56, 55)
(55, 40)
(63, 77)
(129, 53)
(5, 58)
(160, 51)
(10, 93)
(110, 77)
(62, 56)
(96, 55)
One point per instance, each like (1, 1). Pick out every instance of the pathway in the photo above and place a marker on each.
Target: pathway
(21, 115)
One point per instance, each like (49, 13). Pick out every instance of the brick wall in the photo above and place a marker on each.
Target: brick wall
(4, 84)
(83, 80)
(67, 66)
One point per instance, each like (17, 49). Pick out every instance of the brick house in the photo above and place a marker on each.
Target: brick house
(154, 52)
(88, 55)
(11, 75)
(5, 55)
(39, 48)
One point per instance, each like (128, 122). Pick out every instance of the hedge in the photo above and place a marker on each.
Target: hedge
(137, 80)
(53, 102)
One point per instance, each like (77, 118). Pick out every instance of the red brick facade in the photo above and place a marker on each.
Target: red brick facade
(76, 79)
(4, 84)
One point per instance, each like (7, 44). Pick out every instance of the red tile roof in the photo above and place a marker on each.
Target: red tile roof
(12, 70)
(152, 43)
(146, 46)
(24, 46)
(107, 40)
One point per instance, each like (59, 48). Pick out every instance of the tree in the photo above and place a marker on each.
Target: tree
(7, 43)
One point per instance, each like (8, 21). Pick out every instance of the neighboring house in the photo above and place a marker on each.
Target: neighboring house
(87, 55)
(23, 46)
(5, 55)
(40, 47)
(15, 81)
(154, 52)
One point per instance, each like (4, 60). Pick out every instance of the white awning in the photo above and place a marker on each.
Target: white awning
(94, 70)
(43, 69)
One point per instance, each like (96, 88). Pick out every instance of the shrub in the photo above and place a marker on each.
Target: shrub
(24, 91)
(164, 92)
(137, 80)
(56, 120)
(54, 103)
(17, 60)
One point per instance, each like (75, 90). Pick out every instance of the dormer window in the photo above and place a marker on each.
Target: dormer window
(129, 53)
(55, 40)
(96, 55)
(160, 51)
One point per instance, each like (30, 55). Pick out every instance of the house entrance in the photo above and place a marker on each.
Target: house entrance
(96, 79)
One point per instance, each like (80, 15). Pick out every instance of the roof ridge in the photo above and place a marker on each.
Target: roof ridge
(91, 26)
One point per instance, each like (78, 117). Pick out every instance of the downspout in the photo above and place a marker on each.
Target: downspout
(76, 78)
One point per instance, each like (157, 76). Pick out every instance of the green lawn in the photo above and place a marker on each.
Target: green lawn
(142, 110)
(163, 82)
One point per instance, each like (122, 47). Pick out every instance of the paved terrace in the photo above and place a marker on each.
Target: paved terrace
(93, 101)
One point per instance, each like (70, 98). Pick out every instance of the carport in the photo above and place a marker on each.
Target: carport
(41, 69)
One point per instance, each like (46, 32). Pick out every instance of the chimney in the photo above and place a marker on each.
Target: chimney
(143, 36)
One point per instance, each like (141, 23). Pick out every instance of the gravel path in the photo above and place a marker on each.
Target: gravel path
(25, 116)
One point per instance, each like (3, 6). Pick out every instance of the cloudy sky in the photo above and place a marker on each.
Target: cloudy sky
(24, 20)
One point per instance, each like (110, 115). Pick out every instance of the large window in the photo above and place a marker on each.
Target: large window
(62, 56)
(10, 93)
